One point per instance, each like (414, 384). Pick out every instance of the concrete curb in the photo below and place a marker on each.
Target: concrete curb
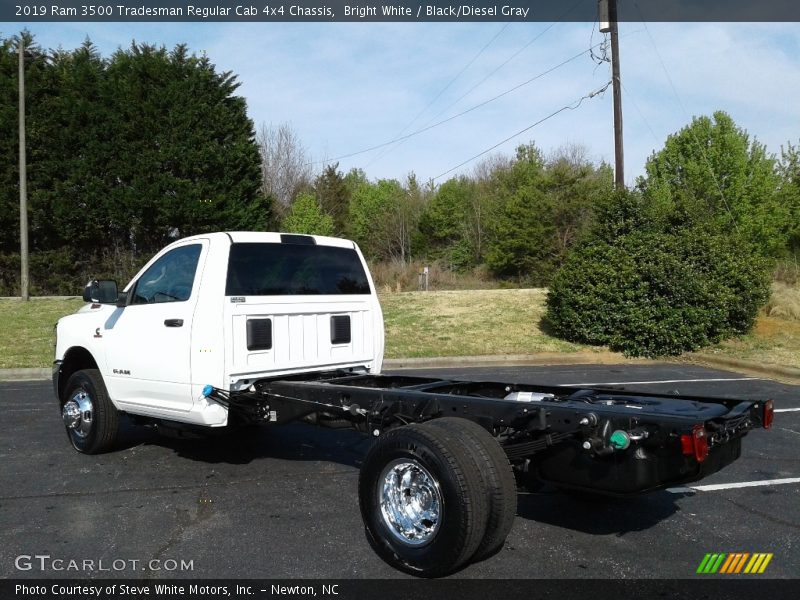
(770, 371)
(525, 360)
(36, 298)
(25, 374)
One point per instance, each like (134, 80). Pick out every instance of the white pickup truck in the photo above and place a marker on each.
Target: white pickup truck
(225, 329)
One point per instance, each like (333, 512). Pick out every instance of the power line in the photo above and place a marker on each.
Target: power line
(691, 131)
(470, 90)
(489, 75)
(572, 106)
(641, 114)
(442, 91)
(461, 114)
(467, 66)
(503, 64)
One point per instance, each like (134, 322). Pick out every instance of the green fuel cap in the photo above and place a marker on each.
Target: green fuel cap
(620, 440)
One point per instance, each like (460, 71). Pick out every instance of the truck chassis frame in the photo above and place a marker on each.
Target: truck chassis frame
(612, 441)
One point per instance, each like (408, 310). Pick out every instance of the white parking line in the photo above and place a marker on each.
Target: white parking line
(787, 410)
(659, 381)
(729, 486)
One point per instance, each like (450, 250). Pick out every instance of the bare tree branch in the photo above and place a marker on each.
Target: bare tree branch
(285, 165)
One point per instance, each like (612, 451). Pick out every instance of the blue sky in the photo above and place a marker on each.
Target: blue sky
(345, 87)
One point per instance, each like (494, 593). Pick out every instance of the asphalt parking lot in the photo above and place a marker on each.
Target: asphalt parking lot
(281, 503)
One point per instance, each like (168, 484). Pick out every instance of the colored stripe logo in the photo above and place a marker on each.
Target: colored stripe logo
(734, 563)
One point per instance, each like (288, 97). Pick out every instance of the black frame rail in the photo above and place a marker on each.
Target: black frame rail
(373, 403)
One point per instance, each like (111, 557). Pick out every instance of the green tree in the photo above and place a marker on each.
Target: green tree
(9, 147)
(306, 216)
(187, 161)
(376, 222)
(71, 142)
(538, 208)
(789, 195)
(332, 191)
(447, 222)
(354, 179)
(518, 233)
(124, 155)
(35, 65)
(521, 241)
(574, 186)
(712, 171)
(405, 217)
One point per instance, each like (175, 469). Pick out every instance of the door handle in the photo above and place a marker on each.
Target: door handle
(174, 322)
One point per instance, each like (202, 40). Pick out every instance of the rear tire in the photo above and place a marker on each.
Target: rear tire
(91, 419)
(422, 500)
(500, 484)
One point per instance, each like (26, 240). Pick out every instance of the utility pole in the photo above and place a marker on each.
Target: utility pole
(608, 23)
(23, 179)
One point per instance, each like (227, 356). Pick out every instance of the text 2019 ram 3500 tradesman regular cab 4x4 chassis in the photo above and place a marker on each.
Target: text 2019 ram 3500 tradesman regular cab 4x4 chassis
(238, 328)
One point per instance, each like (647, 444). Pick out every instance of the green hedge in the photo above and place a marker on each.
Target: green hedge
(644, 289)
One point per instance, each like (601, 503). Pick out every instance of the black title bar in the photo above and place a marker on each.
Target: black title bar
(399, 10)
(745, 588)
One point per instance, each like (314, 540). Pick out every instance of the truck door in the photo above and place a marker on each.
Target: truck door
(149, 341)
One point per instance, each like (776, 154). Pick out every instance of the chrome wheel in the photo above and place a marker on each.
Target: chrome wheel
(78, 414)
(410, 501)
(423, 500)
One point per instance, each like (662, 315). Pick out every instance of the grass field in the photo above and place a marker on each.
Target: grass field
(774, 340)
(776, 336)
(467, 323)
(428, 324)
(26, 336)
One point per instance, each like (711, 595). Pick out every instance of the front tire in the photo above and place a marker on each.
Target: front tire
(90, 418)
(422, 501)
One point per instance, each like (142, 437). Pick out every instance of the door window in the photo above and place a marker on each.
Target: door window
(170, 278)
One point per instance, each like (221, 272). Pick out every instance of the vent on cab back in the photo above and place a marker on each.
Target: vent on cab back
(340, 329)
(259, 334)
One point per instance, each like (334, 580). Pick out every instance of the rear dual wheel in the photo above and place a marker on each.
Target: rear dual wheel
(499, 482)
(436, 496)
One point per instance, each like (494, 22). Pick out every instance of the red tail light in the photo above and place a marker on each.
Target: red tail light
(687, 445)
(695, 444)
(769, 414)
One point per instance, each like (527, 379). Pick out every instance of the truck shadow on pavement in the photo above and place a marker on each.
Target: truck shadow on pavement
(295, 441)
(594, 514)
(299, 442)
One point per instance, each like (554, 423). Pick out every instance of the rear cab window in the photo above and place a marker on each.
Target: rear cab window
(285, 269)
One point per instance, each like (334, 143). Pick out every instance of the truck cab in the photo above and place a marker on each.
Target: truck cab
(225, 310)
